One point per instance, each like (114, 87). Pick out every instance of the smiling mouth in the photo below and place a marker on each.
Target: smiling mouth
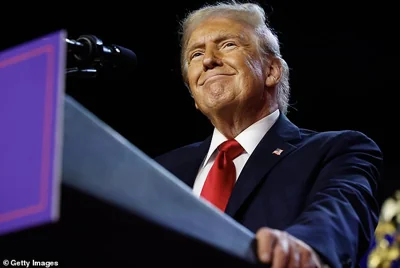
(214, 77)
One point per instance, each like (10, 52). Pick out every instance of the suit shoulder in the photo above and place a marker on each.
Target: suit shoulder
(338, 136)
(342, 142)
(339, 142)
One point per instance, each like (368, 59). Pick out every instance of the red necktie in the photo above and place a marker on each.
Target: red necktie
(222, 176)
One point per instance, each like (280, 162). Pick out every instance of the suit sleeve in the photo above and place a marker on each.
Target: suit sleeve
(341, 212)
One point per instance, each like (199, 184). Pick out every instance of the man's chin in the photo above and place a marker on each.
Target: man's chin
(221, 107)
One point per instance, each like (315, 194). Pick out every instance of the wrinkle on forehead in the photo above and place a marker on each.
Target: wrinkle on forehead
(236, 30)
(216, 38)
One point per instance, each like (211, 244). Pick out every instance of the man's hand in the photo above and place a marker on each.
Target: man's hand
(280, 249)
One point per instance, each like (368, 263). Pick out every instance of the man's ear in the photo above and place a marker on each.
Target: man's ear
(273, 72)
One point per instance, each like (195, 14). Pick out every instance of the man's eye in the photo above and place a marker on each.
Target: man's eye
(229, 44)
(197, 54)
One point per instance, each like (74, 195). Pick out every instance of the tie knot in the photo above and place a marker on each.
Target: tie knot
(231, 148)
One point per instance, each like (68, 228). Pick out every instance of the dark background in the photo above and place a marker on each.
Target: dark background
(341, 55)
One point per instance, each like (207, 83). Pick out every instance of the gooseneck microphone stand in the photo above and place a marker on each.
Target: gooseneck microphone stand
(88, 56)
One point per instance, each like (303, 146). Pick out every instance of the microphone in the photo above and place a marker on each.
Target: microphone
(93, 56)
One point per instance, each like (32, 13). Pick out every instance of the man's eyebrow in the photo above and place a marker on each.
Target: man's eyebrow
(220, 37)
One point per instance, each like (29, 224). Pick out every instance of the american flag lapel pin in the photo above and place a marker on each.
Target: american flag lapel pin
(277, 151)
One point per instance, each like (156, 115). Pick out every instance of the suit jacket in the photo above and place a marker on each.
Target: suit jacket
(320, 189)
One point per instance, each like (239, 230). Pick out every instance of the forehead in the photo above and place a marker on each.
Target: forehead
(217, 28)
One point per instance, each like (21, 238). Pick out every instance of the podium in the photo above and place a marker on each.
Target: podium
(119, 208)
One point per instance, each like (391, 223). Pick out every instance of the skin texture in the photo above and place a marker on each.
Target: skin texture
(228, 80)
(234, 86)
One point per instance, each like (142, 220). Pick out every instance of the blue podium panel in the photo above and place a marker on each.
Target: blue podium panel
(99, 162)
(31, 106)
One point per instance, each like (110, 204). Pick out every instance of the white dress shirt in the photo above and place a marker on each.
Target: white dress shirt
(248, 139)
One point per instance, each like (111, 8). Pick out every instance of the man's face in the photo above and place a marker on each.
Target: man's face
(225, 68)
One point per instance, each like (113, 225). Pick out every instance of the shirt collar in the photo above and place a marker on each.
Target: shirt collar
(248, 139)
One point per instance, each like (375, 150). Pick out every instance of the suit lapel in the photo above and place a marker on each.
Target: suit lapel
(187, 170)
(274, 146)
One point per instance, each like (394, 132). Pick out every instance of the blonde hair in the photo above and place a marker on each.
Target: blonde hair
(252, 15)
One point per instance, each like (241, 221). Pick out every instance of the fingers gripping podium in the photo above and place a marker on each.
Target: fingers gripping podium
(117, 206)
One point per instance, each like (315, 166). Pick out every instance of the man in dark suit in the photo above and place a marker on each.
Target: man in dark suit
(308, 196)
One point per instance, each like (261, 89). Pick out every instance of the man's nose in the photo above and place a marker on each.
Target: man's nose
(211, 59)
